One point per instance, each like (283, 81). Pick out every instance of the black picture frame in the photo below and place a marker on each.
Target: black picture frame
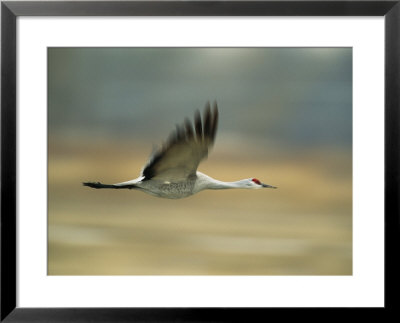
(10, 10)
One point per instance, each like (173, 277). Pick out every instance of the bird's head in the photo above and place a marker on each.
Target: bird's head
(254, 183)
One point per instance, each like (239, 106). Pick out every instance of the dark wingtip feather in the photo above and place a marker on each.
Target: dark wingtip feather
(205, 130)
(214, 125)
(180, 133)
(215, 109)
(189, 129)
(207, 121)
(197, 125)
(207, 109)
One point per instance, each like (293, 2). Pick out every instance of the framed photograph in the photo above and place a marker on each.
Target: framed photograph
(197, 161)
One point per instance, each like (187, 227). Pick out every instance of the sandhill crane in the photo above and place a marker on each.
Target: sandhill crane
(172, 170)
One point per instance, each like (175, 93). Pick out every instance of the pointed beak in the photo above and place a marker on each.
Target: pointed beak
(269, 186)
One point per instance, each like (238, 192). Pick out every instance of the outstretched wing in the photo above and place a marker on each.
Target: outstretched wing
(186, 147)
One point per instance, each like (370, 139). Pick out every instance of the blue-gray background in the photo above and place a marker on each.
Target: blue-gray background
(285, 114)
(290, 96)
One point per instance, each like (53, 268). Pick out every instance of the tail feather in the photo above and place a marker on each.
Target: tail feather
(100, 185)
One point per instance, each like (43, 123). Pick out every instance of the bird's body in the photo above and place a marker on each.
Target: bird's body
(172, 170)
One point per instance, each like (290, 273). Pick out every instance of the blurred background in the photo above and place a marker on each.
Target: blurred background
(285, 118)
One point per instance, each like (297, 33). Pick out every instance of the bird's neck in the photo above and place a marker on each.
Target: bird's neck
(214, 184)
(218, 185)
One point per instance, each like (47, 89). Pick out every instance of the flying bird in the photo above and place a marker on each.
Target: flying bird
(171, 171)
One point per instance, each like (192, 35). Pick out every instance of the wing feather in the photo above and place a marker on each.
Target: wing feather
(180, 156)
(197, 125)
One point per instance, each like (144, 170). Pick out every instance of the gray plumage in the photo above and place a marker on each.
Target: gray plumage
(171, 171)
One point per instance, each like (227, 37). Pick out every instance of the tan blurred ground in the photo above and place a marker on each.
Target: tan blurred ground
(302, 228)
